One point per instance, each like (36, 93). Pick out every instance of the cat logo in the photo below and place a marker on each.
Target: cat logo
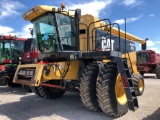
(106, 45)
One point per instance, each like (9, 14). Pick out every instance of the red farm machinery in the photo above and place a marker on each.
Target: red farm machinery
(14, 50)
(148, 61)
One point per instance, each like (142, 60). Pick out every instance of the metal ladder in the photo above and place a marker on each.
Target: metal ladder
(129, 61)
(129, 89)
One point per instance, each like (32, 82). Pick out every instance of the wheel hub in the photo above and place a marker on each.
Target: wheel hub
(120, 92)
(141, 85)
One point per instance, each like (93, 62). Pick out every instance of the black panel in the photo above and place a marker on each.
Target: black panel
(103, 42)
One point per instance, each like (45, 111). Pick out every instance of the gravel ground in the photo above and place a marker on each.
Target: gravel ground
(16, 104)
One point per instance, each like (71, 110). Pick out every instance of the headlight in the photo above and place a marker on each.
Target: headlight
(26, 72)
(22, 72)
(31, 73)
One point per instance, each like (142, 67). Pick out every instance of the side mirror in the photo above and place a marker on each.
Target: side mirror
(144, 46)
(31, 31)
(77, 14)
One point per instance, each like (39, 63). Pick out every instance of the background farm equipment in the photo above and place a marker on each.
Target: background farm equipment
(148, 61)
(14, 51)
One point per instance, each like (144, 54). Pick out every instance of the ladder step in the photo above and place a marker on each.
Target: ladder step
(130, 92)
(132, 106)
(131, 89)
(132, 99)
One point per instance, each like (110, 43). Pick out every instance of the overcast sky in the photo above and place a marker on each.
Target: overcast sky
(143, 19)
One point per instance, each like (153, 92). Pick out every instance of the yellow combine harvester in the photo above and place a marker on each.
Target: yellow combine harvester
(83, 53)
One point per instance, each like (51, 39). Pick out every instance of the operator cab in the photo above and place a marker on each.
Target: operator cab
(142, 57)
(49, 36)
(30, 52)
(56, 31)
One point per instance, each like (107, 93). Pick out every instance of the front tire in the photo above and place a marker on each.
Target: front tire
(88, 87)
(138, 83)
(49, 92)
(35, 91)
(110, 91)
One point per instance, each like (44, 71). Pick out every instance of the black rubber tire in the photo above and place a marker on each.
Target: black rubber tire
(106, 91)
(27, 88)
(35, 91)
(136, 77)
(46, 92)
(158, 72)
(88, 87)
(11, 84)
(2, 80)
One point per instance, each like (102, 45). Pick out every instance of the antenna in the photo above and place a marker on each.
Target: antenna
(125, 38)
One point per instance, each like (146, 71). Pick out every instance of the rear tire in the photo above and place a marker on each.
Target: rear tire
(110, 101)
(2, 80)
(158, 72)
(88, 87)
(49, 93)
(138, 83)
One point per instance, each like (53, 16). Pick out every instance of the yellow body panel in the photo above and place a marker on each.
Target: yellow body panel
(87, 19)
(37, 77)
(128, 36)
(55, 73)
(40, 10)
(133, 59)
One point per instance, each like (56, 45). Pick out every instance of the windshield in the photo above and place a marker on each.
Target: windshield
(9, 48)
(5, 49)
(142, 57)
(48, 35)
(66, 28)
(17, 49)
(19, 45)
